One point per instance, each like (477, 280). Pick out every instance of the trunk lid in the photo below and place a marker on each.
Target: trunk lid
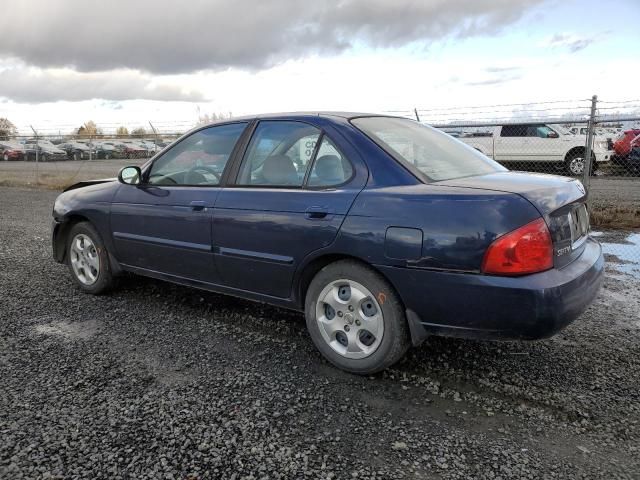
(560, 200)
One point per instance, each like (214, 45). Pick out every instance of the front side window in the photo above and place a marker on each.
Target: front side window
(430, 154)
(198, 159)
(540, 131)
(279, 154)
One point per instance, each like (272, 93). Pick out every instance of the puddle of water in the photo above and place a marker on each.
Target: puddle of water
(627, 252)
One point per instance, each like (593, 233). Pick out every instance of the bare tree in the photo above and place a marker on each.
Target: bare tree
(138, 132)
(7, 129)
(122, 132)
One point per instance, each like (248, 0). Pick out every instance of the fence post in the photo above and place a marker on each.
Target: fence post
(588, 148)
(37, 152)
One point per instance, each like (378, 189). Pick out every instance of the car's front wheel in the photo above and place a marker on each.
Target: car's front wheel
(88, 259)
(355, 318)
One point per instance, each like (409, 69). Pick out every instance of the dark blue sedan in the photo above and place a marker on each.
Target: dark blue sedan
(382, 230)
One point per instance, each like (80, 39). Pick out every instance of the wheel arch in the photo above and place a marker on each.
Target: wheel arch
(61, 234)
(574, 151)
(311, 268)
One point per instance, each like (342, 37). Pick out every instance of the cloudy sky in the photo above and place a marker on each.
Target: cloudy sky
(64, 62)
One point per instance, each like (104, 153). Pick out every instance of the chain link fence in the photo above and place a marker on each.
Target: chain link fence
(596, 142)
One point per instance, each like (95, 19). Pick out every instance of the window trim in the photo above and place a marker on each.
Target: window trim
(224, 177)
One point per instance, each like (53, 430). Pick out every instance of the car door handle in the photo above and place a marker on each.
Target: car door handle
(197, 206)
(316, 213)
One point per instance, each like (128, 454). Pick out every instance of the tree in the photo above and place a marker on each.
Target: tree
(7, 129)
(89, 129)
(214, 117)
(122, 132)
(138, 132)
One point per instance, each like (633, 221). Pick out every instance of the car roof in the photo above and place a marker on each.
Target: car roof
(301, 115)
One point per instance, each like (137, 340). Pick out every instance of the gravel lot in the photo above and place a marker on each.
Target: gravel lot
(160, 381)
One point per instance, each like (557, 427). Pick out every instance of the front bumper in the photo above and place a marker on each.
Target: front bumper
(603, 155)
(490, 307)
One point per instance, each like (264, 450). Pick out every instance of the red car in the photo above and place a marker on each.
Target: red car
(11, 151)
(622, 145)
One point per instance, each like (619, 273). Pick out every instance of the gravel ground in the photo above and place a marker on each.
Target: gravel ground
(160, 381)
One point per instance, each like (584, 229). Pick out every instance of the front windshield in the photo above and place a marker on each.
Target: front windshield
(427, 152)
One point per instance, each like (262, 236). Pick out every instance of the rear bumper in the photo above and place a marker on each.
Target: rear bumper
(483, 306)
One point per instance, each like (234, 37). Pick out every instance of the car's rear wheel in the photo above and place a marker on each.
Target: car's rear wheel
(88, 259)
(6, 157)
(355, 318)
(77, 156)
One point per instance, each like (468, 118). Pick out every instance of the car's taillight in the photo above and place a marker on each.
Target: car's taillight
(528, 249)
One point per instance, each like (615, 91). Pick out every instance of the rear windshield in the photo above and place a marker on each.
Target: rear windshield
(429, 153)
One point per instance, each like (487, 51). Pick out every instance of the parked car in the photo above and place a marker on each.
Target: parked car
(46, 151)
(11, 150)
(75, 150)
(622, 145)
(382, 230)
(104, 150)
(129, 149)
(538, 143)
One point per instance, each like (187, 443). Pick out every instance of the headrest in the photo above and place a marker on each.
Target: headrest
(279, 170)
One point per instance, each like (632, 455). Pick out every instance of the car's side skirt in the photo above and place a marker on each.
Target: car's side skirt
(213, 287)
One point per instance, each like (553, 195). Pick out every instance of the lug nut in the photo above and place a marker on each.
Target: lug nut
(339, 313)
(351, 308)
(347, 328)
(358, 322)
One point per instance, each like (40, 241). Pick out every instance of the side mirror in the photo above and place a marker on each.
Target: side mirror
(130, 175)
(552, 135)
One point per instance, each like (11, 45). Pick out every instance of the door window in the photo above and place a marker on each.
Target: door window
(198, 159)
(279, 154)
(330, 166)
(514, 131)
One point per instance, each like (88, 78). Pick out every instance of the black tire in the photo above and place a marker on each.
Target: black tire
(105, 279)
(107, 156)
(569, 163)
(77, 156)
(44, 157)
(395, 339)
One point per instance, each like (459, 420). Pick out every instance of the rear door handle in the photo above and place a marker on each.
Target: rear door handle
(197, 206)
(316, 213)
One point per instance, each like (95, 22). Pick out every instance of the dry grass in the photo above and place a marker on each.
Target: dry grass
(47, 184)
(614, 217)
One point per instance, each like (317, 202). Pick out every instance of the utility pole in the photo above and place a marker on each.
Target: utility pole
(588, 148)
(37, 151)
(415, 110)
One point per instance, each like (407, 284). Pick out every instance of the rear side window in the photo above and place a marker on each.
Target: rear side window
(428, 153)
(279, 154)
(514, 131)
(330, 167)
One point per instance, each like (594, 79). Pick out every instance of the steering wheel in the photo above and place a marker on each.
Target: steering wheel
(202, 168)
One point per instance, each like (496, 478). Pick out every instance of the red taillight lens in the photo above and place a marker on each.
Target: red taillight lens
(528, 249)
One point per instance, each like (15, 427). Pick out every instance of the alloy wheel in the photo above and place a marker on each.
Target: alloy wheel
(85, 260)
(576, 166)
